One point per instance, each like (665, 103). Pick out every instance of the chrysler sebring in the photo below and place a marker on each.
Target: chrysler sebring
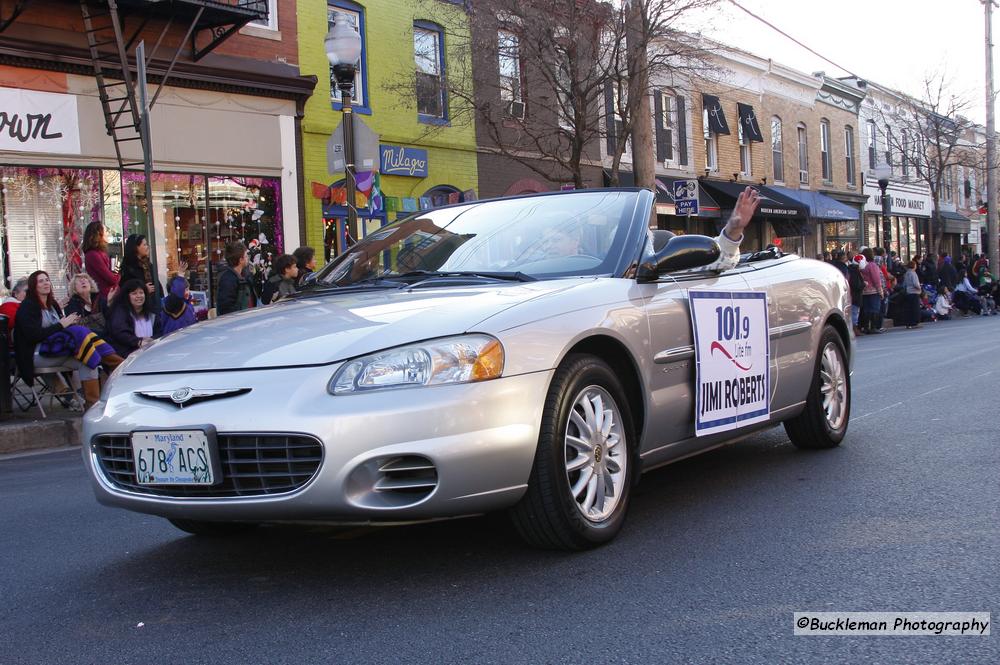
(533, 355)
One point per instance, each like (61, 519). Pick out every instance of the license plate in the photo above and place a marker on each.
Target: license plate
(176, 457)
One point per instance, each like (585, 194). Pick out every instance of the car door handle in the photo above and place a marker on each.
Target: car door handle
(673, 355)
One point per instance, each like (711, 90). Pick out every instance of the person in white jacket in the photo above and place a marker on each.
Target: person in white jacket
(942, 306)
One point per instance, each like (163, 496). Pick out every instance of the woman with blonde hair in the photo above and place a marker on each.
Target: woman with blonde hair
(84, 301)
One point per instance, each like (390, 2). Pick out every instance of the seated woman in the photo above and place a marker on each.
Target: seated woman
(85, 303)
(45, 337)
(177, 311)
(132, 325)
(966, 296)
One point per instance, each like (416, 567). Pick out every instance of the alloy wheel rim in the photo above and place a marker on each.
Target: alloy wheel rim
(833, 386)
(595, 453)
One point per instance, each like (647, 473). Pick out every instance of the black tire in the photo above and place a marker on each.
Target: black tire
(812, 428)
(213, 529)
(548, 516)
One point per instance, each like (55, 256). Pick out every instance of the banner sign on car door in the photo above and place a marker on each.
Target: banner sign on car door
(732, 351)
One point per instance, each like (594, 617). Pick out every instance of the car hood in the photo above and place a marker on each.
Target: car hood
(327, 328)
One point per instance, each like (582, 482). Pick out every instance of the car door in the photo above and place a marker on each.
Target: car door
(670, 417)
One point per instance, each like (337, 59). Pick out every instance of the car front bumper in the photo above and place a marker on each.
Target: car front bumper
(480, 438)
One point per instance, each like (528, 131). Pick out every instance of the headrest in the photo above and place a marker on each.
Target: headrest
(660, 239)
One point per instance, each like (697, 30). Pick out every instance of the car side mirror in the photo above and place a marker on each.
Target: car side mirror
(680, 253)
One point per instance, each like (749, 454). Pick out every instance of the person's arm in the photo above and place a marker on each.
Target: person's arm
(227, 294)
(732, 235)
(99, 267)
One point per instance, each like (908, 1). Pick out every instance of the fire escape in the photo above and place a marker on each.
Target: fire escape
(114, 27)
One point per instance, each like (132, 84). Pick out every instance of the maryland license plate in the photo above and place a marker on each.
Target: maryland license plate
(175, 457)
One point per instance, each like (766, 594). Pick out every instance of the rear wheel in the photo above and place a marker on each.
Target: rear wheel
(823, 423)
(579, 487)
(213, 529)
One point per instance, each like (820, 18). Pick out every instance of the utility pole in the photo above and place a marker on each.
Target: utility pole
(991, 178)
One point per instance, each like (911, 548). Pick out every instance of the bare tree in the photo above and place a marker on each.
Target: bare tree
(932, 136)
(546, 80)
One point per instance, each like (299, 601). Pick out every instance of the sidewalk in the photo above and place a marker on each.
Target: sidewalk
(23, 432)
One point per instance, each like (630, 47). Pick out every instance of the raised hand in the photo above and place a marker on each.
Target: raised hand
(746, 206)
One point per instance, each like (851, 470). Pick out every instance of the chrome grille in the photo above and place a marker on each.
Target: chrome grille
(251, 465)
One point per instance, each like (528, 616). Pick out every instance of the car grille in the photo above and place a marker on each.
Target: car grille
(251, 465)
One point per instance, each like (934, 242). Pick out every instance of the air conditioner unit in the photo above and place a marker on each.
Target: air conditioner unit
(515, 110)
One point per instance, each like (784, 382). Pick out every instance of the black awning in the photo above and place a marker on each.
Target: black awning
(716, 116)
(749, 124)
(773, 204)
(953, 222)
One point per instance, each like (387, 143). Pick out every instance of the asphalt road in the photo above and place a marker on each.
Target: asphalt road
(717, 554)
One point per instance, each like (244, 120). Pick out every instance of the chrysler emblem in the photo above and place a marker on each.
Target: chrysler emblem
(181, 395)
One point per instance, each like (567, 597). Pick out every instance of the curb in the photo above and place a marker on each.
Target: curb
(18, 436)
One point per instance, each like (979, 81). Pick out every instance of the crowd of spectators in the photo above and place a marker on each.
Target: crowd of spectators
(926, 288)
(108, 315)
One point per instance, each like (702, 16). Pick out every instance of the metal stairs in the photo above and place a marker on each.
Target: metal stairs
(108, 47)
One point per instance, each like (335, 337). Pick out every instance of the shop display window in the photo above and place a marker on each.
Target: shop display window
(44, 214)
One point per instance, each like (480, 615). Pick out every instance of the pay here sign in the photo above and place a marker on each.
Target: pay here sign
(731, 353)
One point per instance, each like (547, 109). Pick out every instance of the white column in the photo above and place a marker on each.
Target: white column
(289, 185)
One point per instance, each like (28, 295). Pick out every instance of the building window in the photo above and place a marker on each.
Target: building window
(355, 16)
(777, 155)
(711, 153)
(511, 83)
(872, 159)
(271, 22)
(803, 156)
(962, 188)
(973, 191)
(947, 180)
(824, 147)
(849, 152)
(746, 161)
(666, 126)
(428, 55)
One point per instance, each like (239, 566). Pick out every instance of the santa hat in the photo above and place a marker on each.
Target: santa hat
(860, 260)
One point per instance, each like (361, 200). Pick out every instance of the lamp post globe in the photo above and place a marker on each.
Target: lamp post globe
(343, 49)
(883, 173)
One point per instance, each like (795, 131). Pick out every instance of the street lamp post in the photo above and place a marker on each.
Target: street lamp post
(343, 49)
(883, 173)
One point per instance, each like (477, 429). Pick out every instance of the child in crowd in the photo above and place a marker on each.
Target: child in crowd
(943, 306)
(177, 311)
(281, 283)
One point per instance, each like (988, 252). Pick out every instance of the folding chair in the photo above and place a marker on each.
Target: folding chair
(26, 396)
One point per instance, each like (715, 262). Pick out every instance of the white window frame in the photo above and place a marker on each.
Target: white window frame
(803, 156)
(826, 163)
(746, 157)
(272, 18)
(777, 149)
(438, 63)
(849, 154)
(711, 152)
(872, 145)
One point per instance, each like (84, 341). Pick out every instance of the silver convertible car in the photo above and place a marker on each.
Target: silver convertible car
(532, 355)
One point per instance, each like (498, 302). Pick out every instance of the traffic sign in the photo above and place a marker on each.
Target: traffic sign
(686, 197)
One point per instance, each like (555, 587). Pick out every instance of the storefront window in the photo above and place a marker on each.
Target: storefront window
(842, 235)
(44, 214)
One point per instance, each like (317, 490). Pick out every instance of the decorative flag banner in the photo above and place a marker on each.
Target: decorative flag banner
(425, 203)
(391, 204)
(453, 197)
(409, 204)
(732, 355)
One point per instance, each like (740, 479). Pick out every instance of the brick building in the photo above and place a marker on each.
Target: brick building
(223, 132)
(518, 106)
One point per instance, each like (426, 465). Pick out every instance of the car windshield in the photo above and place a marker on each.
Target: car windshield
(533, 237)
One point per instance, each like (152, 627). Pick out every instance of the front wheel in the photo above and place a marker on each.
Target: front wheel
(579, 487)
(823, 423)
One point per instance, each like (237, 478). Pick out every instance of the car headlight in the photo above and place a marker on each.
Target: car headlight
(463, 359)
